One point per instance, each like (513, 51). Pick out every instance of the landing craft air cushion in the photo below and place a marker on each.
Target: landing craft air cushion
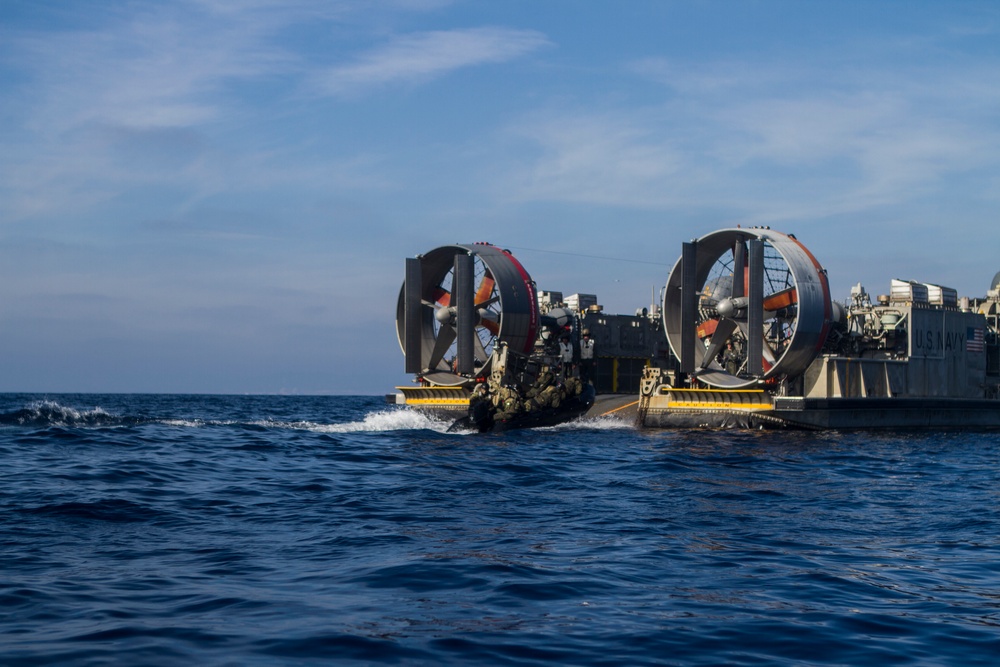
(758, 342)
(746, 336)
(471, 331)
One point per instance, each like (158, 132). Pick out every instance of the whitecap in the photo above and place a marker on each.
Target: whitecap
(52, 413)
(601, 423)
(187, 423)
(383, 420)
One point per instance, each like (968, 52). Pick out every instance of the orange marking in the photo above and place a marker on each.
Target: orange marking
(782, 299)
(629, 405)
(485, 289)
(442, 297)
(707, 328)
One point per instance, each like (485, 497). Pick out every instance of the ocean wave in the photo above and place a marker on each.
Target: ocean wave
(375, 422)
(414, 420)
(184, 423)
(43, 414)
(605, 423)
(245, 530)
(114, 510)
(601, 423)
(386, 420)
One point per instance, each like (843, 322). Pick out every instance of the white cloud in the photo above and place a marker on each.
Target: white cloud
(156, 70)
(89, 101)
(615, 158)
(765, 142)
(420, 57)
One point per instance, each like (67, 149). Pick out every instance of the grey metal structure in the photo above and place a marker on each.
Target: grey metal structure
(772, 311)
(916, 357)
(456, 304)
(473, 328)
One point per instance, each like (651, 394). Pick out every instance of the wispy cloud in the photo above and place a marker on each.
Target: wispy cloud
(614, 157)
(764, 141)
(420, 57)
(159, 68)
(98, 110)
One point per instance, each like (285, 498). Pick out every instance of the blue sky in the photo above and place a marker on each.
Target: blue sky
(212, 196)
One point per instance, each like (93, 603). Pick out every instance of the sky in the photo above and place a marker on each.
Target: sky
(210, 196)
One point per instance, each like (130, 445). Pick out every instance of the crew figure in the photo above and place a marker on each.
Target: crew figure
(573, 387)
(550, 397)
(586, 356)
(480, 393)
(544, 392)
(508, 404)
(566, 356)
(730, 359)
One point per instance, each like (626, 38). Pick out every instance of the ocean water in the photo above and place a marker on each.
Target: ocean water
(264, 530)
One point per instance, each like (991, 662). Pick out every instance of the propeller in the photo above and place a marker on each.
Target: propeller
(459, 313)
(456, 303)
(742, 311)
(740, 292)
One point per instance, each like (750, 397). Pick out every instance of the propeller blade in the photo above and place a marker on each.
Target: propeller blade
(446, 336)
(485, 290)
(783, 299)
(769, 358)
(481, 355)
(488, 320)
(767, 352)
(722, 333)
(442, 297)
(689, 306)
(707, 328)
(488, 302)
(465, 312)
(755, 309)
(739, 269)
(412, 320)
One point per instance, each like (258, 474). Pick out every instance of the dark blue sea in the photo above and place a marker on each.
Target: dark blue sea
(267, 530)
